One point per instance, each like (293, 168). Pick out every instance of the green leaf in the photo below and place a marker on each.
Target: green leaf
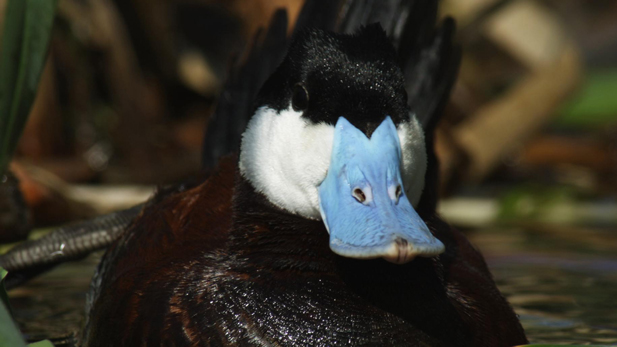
(44, 343)
(595, 104)
(9, 333)
(27, 29)
(23, 50)
(4, 297)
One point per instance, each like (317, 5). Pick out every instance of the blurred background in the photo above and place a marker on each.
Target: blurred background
(528, 142)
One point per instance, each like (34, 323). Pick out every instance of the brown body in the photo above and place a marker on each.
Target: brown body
(218, 265)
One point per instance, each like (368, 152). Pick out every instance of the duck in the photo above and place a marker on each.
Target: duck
(321, 231)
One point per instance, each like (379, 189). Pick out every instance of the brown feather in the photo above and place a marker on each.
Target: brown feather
(219, 265)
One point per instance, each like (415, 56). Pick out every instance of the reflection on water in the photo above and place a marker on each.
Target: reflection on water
(562, 283)
(563, 286)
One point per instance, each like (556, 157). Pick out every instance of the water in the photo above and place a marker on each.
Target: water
(561, 281)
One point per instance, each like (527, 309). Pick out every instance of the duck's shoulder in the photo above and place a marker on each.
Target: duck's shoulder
(197, 218)
(174, 245)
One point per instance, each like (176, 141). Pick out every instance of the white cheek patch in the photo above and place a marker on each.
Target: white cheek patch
(286, 158)
(413, 151)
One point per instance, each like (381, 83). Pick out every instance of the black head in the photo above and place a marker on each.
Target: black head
(333, 139)
(329, 75)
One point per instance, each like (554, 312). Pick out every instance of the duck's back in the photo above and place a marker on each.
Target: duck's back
(177, 278)
(172, 280)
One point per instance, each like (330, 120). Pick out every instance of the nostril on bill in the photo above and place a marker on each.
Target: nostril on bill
(359, 195)
(395, 192)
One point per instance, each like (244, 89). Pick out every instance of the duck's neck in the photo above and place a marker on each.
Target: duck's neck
(269, 238)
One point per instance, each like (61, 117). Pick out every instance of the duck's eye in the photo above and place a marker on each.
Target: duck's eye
(359, 195)
(300, 97)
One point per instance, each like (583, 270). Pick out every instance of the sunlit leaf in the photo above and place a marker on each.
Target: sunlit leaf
(44, 343)
(595, 104)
